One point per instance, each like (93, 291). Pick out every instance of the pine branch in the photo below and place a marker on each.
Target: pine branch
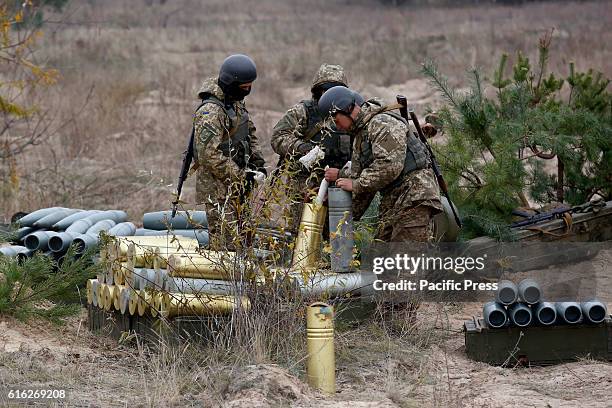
(439, 82)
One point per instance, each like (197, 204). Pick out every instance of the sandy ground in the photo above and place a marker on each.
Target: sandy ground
(98, 372)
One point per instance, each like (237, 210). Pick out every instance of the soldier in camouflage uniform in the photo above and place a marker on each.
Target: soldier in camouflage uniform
(300, 130)
(225, 146)
(388, 159)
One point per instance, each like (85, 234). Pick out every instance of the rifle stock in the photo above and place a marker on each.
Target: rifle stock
(409, 115)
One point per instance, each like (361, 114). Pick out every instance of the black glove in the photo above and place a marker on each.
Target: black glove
(249, 178)
(304, 147)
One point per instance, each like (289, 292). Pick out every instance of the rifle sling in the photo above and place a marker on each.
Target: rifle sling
(567, 218)
(366, 119)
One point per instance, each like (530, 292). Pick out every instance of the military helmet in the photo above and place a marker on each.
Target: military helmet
(237, 68)
(339, 99)
(329, 73)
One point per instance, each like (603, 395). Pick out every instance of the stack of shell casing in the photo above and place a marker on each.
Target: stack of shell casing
(52, 230)
(163, 276)
(522, 305)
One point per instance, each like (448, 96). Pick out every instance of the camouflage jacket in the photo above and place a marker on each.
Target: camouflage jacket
(385, 136)
(289, 133)
(216, 171)
(294, 129)
(303, 124)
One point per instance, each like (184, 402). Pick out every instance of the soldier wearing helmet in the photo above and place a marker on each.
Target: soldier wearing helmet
(387, 158)
(225, 145)
(301, 130)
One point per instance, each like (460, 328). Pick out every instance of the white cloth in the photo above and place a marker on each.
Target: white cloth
(312, 157)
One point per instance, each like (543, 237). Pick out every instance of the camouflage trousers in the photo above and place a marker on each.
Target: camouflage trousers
(227, 221)
(220, 222)
(404, 224)
(414, 223)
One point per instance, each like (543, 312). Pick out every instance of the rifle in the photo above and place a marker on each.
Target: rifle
(534, 219)
(404, 111)
(557, 213)
(187, 158)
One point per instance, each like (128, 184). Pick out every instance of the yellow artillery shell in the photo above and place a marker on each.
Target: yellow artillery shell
(123, 243)
(133, 303)
(108, 294)
(90, 291)
(321, 364)
(116, 296)
(208, 265)
(307, 251)
(156, 303)
(159, 256)
(119, 273)
(181, 304)
(101, 295)
(145, 301)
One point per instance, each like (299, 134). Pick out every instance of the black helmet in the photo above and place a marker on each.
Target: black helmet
(237, 68)
(339, 99)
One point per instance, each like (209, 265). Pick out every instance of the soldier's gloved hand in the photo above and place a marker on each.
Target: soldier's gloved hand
(312, 157)
(304, 147)
(254, 176)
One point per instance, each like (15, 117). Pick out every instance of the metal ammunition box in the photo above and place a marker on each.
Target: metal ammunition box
(537, 345)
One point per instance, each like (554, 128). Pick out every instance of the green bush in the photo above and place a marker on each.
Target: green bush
(38, 286)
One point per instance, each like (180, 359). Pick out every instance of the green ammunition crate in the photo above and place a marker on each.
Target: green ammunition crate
(537, 345)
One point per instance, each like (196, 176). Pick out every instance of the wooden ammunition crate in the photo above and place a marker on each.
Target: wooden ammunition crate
(537, 345)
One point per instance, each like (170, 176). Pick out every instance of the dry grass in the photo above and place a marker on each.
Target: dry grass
(428, 368)
(129, 73)
(372, 365)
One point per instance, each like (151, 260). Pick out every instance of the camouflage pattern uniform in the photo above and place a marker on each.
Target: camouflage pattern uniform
(300, 130)
(225, 145)
(385, 160)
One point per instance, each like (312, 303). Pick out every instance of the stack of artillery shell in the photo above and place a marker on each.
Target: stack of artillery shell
(165, 277)
(51, 231)
(522, 305)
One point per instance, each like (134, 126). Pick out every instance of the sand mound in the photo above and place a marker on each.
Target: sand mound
(264, 385)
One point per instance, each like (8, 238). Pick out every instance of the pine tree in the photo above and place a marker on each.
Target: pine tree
(39, 286)
(497, 146)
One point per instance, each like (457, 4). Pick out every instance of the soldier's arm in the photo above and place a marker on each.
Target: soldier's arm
(211, 129)
(388, 139)
(288, 133)
(257, 160)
